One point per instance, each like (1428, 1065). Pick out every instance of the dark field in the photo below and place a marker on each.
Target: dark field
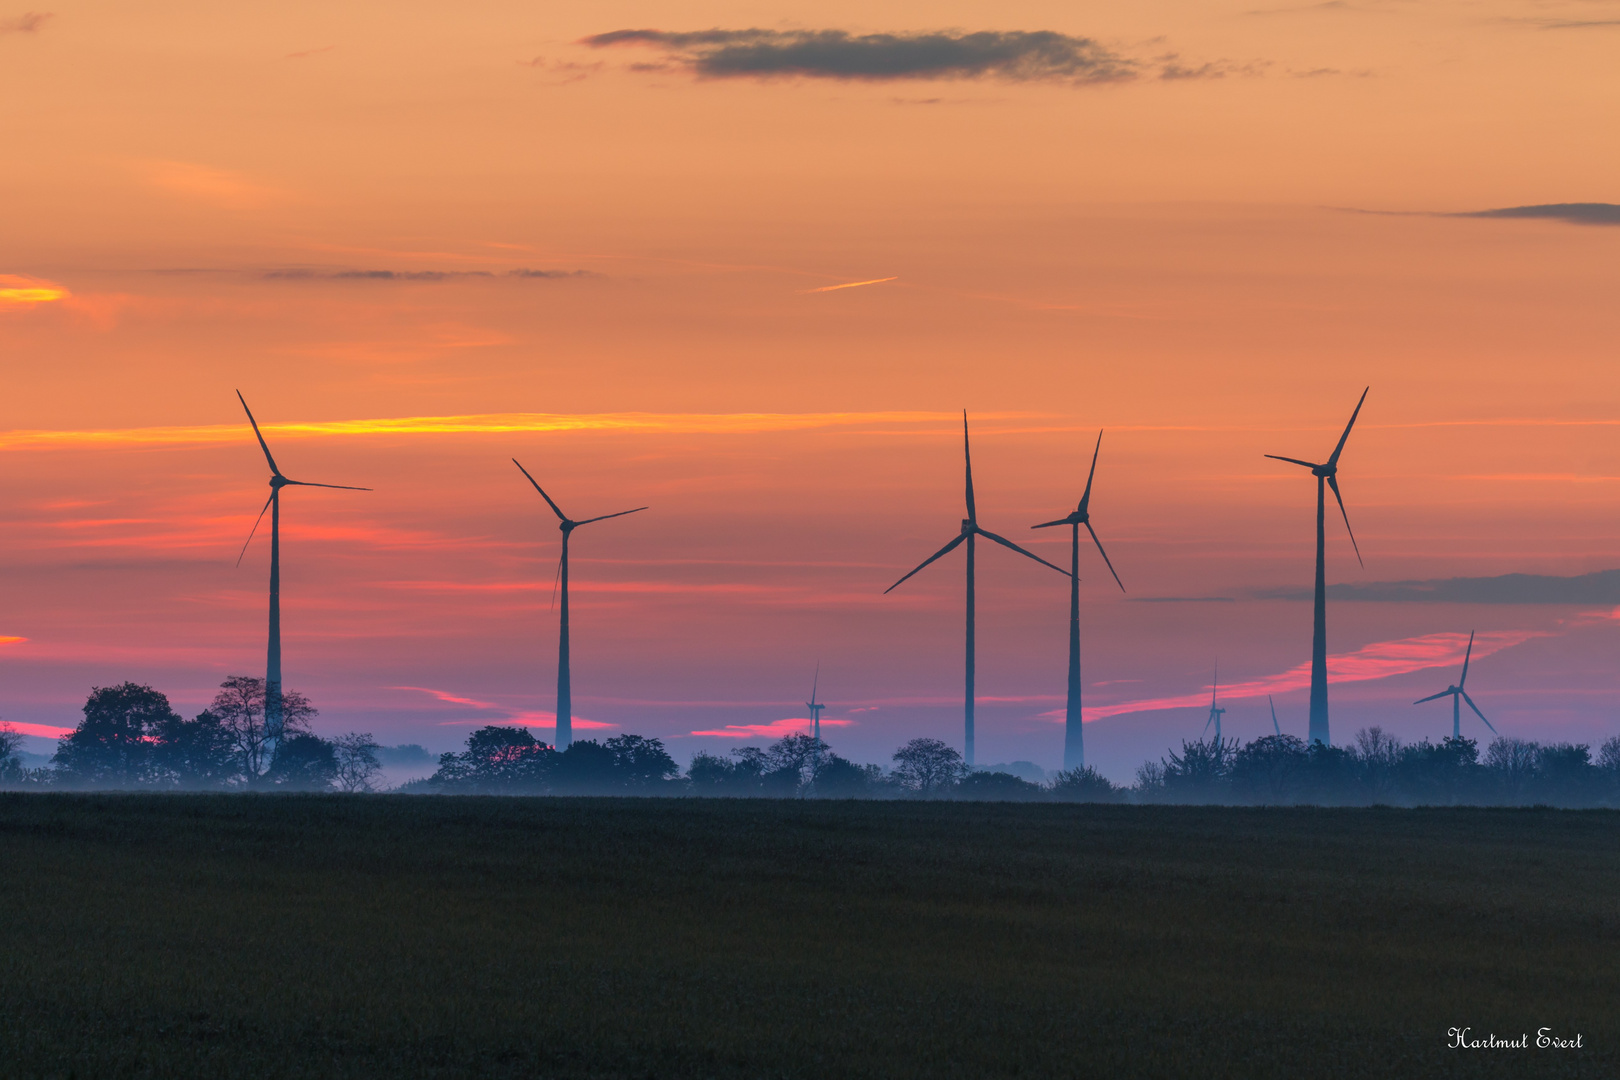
(324, 936)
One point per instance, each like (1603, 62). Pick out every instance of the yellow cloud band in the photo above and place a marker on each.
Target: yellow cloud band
(486, 423)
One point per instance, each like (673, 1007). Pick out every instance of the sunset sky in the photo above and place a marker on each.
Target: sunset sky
(425, 239)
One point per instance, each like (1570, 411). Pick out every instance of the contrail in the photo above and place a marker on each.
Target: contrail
(853, 284)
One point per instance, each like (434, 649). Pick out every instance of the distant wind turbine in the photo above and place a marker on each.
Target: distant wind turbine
(1459, 695)
(1274, 725)
(272, 669)
(565, 687)
(814, 707)
(1074, 745)
(970, 532)
(1215, 712)
(1327, 473)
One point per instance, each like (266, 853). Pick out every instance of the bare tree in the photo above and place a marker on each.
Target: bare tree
(239, 705)
(357, 765)
(11, 766)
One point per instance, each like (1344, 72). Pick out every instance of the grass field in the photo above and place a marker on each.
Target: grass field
(324, 936)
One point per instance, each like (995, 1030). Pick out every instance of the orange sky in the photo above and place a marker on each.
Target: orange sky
(203, 199)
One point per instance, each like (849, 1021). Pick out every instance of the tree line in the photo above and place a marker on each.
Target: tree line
(131, 738)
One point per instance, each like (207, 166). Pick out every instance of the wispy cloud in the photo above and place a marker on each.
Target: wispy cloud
(1380, 660)
(204, 183)
(29, 22)
(506, 713)
(1016, 56)
(486, 423)
(1596, 589)
(852, 285)
(776, 729)
(307, 274)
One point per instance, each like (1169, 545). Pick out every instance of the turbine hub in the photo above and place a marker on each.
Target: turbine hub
(277, 482)
(967, 526)
(566, 526)
(1324, 471)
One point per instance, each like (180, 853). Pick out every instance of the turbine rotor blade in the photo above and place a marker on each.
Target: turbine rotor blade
(554, 508)
(1333, 482)
(967, 457)
(255, 528)
(556, 579)
(1004, 542)
(339, 487)
(1466, 655)
(1337, 450)
(1085, 499)
(1049, 524)
(946, 550)
(1295, 460)
(262, 444)
(1432, 697)
(1477, 713)
(604, 517)
(1104, 554)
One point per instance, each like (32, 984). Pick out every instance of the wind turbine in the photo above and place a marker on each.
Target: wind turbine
(970, 532)
(272, 667)
(815, 709)
(1215, 712)
(1459, 695)
(1327, 473)
(1074, 745)
(565, 686)
(1274, 725)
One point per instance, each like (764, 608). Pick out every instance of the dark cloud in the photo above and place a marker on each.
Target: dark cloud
(1020, 56)
(1600, 588)
(303, 274)
(28, 22)
(1579, 213)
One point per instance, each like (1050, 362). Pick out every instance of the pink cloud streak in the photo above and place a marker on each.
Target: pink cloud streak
(1380, 660)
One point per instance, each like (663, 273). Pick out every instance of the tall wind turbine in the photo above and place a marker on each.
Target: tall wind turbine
(1074, 745)
(565, 686)
(272, 667)
(1274, 725)
(970, 532)
(1328, 474)
(814, 707)
(1215, 712)
(1459, 695)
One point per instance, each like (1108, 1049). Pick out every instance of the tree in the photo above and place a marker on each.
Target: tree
(928, 767)
(1271, 769)
(1378, 753)
(498, 758)
(1083, 785)
(356, 760)
(303, 763)
(239, 705)
(585, 768)
(1200, 772)
(642, 764)
(11, 765)
(836, 778)
(997, 787)
(196, 753)
(790, 765)
(112, 744)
